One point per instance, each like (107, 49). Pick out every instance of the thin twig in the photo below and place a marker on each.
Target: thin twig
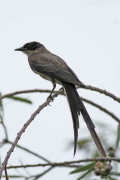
(6, 175)
(19, 134)
(101, 108)
(27, 150)
(2, 120)
(102, 91)
(43, 173)
(5, 129)
(59, 164)
(50, 168)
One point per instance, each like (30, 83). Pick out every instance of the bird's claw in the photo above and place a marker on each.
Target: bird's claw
(83, 85)
(50, 97)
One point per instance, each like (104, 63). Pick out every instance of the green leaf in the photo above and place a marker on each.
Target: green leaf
(115, 173)
(111, 178)
(16, 98)
(82, 143)
(83, 168)
(118, 136)
(83, 175)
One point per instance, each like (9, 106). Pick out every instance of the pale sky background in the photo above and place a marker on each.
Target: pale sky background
(86, 34)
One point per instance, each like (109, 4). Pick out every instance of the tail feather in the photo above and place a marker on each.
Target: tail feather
(77, 107)
(74, 107)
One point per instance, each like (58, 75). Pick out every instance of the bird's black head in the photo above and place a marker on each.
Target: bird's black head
(29, 47)
(32, 45)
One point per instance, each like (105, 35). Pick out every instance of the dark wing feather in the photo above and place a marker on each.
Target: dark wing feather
(52, 66)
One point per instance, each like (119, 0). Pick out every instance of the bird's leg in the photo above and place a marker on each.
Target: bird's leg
(54, 86)
(82, 85)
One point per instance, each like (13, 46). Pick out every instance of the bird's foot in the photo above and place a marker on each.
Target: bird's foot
(50, 97)
(83, 85)
(62, 89)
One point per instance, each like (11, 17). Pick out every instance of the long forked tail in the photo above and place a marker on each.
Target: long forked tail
(77, 107)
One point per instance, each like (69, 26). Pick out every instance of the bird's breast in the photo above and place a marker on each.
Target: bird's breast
(47, 77)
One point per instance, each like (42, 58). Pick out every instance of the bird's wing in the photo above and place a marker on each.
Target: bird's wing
(52, 66)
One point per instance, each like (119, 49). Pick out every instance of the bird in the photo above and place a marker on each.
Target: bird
(53, 68)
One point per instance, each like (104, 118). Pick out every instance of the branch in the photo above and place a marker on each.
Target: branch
(19, 134)
(2, 119)
(84, 99)
(101, 108)
(44, 105)
(102, 91)
(5, 129)
(43, 173)
(48, 91)
(64, 164)
(6, 175)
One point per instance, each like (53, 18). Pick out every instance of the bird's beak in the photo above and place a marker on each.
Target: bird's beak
(20, 49)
